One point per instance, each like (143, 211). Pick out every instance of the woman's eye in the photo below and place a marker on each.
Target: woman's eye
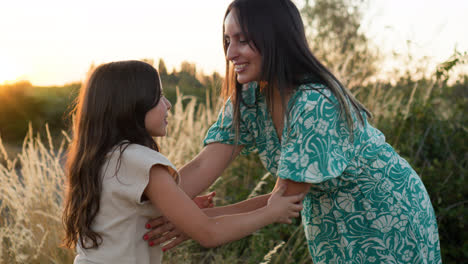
(242, 41)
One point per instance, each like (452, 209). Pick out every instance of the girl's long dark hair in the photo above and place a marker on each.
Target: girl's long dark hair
(110, 109)
(276, 30)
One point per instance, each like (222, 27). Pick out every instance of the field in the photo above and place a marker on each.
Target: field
(425, 120)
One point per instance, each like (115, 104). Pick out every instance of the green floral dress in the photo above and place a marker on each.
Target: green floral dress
(366, 204)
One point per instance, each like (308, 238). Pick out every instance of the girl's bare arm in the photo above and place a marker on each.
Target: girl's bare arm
(172, 201)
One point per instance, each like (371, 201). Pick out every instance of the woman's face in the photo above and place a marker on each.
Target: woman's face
(247, 61)
(156, 118)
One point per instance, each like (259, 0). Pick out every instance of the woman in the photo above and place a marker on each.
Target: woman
(364, 202)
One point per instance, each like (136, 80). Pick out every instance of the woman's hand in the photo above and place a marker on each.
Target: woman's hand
(282, 207)
(162, 230)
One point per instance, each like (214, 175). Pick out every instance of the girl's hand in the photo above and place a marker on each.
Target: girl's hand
(205, 201)
(162, 230)
(282, 207)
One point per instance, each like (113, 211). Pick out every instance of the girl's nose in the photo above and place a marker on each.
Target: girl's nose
(168, 104)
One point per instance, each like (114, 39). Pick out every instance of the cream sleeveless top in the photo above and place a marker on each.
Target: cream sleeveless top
(122, 215)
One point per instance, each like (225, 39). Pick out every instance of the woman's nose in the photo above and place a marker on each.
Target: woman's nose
(231, 52)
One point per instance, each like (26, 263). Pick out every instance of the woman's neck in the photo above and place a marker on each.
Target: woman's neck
(277, 111)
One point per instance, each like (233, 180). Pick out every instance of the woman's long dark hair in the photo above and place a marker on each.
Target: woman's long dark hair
(276, 30)
(110, 109)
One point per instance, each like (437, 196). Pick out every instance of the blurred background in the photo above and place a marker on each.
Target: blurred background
(406, 61)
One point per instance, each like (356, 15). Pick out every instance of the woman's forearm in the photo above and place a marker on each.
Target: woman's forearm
(195, 178)
(240, 207)
(206, 167)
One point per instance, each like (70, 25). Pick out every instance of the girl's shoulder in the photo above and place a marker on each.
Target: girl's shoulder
(127, 149)
(137, 149)
(139, 156)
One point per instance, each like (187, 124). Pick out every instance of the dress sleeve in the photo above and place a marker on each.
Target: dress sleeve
(222, 131)
(135, 166)
(317, 147)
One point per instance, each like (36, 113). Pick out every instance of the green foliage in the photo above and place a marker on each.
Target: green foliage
(432, 137)
(22, 103)
(336, 39)
(443, 70)
(187, 81)
(162, 67)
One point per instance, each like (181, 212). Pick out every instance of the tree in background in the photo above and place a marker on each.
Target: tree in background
(23, 104)
(335, 36)
(162, 68)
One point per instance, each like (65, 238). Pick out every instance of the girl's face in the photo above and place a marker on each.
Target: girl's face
(156, 118)
(247, 60)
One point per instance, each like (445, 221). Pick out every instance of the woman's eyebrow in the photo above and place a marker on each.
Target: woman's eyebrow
(236, 35)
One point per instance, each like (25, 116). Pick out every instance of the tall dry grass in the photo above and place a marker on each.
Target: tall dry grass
(31, 187)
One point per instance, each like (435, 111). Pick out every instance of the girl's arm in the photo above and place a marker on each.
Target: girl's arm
(197, 176)
(206, 167)
(172, 201)
(293, 188)
(162, 230)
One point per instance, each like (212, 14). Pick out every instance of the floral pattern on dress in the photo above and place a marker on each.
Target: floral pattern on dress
(366, 203)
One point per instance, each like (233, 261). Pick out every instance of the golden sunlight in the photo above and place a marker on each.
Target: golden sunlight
(9, 71)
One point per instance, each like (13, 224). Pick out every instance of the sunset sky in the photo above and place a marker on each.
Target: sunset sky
(53, 42)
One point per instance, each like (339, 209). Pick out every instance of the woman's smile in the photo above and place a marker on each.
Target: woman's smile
(245, 58)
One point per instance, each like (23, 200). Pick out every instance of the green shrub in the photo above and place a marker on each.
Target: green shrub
(433, 138)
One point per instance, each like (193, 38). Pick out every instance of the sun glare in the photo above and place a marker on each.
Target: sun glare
(9, 71)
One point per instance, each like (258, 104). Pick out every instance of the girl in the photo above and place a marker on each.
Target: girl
(117, 179)
(364, 203)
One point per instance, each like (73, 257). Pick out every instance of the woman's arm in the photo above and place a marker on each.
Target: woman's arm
(206, 167)
(293, 188)
(172, 201)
